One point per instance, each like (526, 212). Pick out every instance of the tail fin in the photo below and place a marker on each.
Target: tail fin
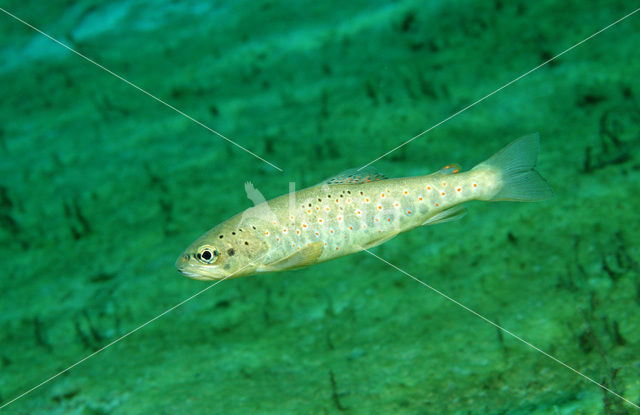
(516, 162)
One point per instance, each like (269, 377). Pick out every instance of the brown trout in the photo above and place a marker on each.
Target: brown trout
(356, 210)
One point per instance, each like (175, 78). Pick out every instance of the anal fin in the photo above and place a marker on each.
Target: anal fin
(447, 215)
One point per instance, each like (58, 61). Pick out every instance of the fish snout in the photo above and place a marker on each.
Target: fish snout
(186, 266)
(182, 262)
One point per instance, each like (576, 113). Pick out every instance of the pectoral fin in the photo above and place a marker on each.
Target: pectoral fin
(306, 256)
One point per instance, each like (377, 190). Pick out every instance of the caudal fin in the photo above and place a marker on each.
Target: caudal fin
(516, 162)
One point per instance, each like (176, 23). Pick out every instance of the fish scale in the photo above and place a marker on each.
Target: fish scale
(354, 211)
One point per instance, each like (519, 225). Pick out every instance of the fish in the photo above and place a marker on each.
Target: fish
(356, 210)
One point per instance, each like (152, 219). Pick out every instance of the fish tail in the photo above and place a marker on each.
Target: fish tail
(518, 179)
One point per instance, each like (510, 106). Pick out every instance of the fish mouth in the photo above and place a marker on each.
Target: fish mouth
(196, 272)
(207, 275)
(191, 274)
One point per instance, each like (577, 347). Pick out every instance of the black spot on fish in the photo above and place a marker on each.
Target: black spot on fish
(231, 252)
(221, 236)
(233, 233)
(246, 243)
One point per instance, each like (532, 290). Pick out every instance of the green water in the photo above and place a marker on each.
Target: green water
(102, 187)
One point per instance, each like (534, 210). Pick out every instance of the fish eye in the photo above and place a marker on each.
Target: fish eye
(208, 254)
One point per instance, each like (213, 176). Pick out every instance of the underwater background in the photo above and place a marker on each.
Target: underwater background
(102, 187)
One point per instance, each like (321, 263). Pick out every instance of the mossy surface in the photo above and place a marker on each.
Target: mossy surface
(102, 187)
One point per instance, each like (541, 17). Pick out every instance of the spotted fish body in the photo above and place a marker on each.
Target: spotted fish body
(355, 210)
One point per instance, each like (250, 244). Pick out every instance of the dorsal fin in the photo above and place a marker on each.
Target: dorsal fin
(355, 176)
